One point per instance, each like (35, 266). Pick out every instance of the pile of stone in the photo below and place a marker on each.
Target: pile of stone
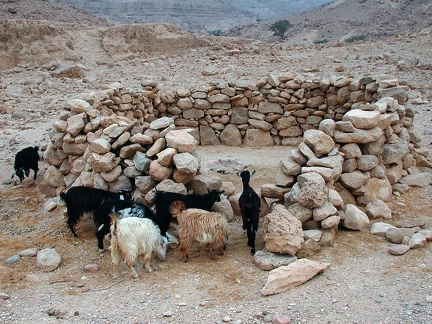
(408, 234)
(111, 140)
(358, 161)
(103, 140)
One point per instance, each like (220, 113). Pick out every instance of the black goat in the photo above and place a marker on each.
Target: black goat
(80, 200)
(164, 200)
(250, 204)
(25, 160)
(124, 209)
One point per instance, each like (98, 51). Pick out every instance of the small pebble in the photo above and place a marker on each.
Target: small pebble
(12, 259)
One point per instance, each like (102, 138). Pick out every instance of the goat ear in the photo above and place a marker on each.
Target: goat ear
(164, 240)
(239, 173)
(252, 173)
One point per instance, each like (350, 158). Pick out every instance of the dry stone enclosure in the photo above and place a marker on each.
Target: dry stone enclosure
(352, 144)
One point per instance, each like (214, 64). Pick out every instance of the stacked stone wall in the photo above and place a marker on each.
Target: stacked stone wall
(274, 111)
(359, 161)
(120, 138)
(355, 145)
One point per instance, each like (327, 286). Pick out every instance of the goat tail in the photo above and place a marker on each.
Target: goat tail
(177, 207)
(114, 223)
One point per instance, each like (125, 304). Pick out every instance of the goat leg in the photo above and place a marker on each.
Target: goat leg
(210, 248)
(71, 223)
(219, 247)
(251, 239)
(100, 237)
(74, 233)
(220, 251)
(129, 264)
(35, 173)
(146, 262)
(115, 260)
(183, 253)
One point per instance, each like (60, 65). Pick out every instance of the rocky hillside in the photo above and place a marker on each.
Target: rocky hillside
(342, 19)
(197, 16)
(316, 21)
(46, 10)
(43, 43)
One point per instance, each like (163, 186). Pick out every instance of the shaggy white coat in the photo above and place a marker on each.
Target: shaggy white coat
(132, 238)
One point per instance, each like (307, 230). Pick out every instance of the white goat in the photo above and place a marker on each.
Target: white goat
(134, 237)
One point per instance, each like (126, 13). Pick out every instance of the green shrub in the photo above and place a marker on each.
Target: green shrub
(216, 32)
(280, 27)
(355, 38)
(321, 41)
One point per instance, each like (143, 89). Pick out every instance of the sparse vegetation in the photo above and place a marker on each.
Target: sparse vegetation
(321, 41)
(216, 32)
(280, 27)
(355, 38)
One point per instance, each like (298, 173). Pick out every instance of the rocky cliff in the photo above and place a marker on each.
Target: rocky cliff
(192, 15)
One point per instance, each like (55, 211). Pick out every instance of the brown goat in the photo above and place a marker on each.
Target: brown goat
(200, 225)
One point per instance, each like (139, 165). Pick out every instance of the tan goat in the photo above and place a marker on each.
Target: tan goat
(200, 225)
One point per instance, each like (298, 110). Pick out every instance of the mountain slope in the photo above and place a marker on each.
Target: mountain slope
(46, 10)
(198, 16)
(323, 20)
(344, 18)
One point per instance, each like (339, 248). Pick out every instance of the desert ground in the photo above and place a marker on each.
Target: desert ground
(364, 284)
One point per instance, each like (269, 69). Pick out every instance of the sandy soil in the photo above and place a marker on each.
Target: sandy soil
(364, 283)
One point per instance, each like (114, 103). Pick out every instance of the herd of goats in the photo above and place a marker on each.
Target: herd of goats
(137, 231)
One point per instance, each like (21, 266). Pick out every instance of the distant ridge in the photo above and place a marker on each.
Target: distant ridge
(197, 16)
(342, 19)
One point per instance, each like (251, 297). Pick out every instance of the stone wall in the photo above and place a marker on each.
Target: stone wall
(354, 145)
(359, 161)
(276, 110)
(119, 138)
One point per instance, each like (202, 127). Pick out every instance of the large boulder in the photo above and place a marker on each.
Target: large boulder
(282, 231)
